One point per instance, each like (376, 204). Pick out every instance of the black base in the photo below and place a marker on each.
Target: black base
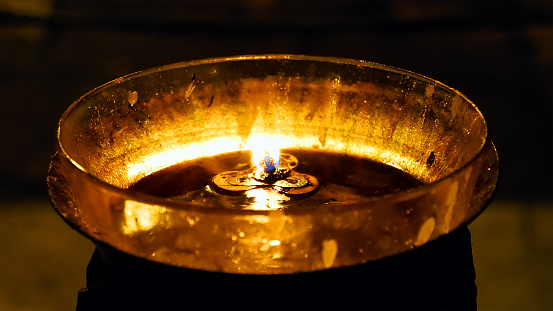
(439, 275)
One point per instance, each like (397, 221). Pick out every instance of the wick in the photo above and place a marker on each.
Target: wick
(268, 163)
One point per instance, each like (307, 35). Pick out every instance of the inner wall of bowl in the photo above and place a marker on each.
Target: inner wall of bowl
(136, 125)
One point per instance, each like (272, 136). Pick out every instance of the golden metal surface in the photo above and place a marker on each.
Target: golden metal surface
(138, 124)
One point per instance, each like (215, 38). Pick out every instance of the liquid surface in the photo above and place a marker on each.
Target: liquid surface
(342, 179)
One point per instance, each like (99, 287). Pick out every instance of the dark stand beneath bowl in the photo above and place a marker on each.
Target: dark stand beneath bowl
(439, 275)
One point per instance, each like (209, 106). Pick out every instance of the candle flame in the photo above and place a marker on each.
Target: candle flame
(265, 152)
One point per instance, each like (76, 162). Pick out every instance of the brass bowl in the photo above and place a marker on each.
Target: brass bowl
(132, 126)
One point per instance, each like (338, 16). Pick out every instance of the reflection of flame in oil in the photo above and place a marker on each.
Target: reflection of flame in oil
(266, 199)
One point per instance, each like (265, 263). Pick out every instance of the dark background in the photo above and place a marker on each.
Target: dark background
(498, 53)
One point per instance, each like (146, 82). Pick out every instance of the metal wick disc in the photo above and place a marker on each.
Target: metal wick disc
(282, 179)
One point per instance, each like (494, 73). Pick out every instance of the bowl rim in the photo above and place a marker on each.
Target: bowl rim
(134, 195)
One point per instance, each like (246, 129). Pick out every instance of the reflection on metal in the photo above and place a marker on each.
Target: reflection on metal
(158, 160)
(141, 217)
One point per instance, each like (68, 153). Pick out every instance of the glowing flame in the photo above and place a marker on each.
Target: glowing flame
(265, 152)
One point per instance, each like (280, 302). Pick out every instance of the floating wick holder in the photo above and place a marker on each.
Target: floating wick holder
(282, 178)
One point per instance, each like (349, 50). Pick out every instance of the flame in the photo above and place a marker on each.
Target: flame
(264, 149)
